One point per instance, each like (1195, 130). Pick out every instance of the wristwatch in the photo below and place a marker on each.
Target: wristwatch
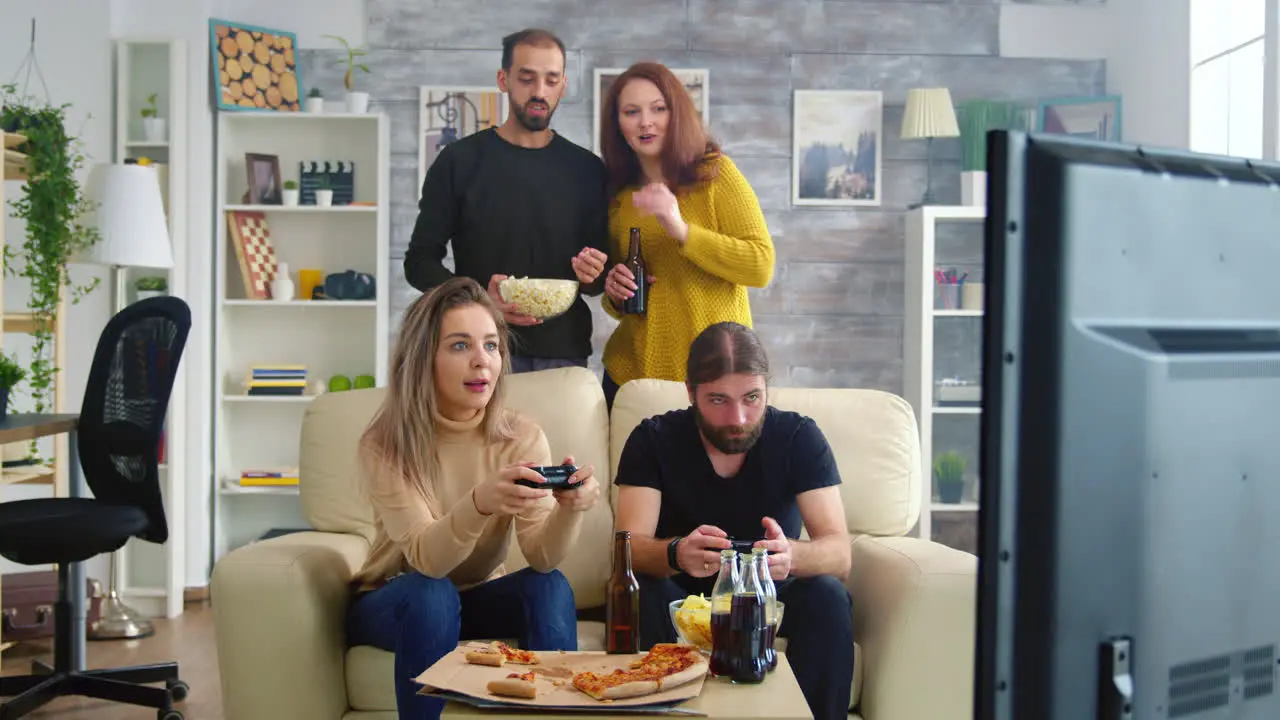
(671, 554)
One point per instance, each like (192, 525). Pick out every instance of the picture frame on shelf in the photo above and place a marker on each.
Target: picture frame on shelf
(697, 82)
(447, 113)
(254, 69)
(1093, 118)
(836, 155)
(262, 172)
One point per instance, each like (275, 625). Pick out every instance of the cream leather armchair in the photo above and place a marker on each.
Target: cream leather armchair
(280, 605)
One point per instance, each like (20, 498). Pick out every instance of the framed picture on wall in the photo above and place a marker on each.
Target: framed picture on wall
(697, 82)
(254, 68)
(836, 137)
(447, 114)
(1096, 118)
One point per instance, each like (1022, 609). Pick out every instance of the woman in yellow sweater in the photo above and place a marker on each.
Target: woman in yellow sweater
(441, 458)
(703, 235)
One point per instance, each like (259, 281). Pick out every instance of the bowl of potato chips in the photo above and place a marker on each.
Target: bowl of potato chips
(692, 620)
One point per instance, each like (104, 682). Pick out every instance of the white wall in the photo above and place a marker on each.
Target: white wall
(78, 25)
(1147, 47)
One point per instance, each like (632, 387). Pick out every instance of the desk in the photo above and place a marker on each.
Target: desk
(20, 427)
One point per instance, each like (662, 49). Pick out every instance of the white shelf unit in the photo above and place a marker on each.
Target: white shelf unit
(919, 350)
(328, 337)
(152, 578)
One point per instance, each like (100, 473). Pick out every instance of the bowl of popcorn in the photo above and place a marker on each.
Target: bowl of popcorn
(543, 298)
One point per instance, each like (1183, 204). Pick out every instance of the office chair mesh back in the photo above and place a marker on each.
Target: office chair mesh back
(125, 405)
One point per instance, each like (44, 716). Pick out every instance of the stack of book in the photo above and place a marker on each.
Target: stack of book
(277, 380)
(268, 477)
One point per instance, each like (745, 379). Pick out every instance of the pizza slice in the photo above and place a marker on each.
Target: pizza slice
(517, 685)
(516, 656)
(497, 654)
(664, 666)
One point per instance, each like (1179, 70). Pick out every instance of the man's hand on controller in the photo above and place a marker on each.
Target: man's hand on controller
(502, 496)
(779, 547)
(510, 312)
(698, 553)
(583, 497)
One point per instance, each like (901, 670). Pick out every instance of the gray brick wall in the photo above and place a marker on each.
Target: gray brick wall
(833, 315)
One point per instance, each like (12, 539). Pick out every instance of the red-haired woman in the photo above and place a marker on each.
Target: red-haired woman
(703, 235)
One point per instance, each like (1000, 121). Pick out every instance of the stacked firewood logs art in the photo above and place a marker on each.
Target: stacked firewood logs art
(256, 69)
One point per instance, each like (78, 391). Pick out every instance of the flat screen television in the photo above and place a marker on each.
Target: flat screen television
(1129, 531)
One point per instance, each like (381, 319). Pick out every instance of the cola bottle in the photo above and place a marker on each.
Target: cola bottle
(728, 583)
(747, 626)
(770, 592)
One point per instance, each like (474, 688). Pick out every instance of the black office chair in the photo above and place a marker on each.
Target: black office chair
(118, 437)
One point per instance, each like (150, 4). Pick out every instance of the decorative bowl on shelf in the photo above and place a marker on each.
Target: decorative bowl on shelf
(693, 624)
(543, 298)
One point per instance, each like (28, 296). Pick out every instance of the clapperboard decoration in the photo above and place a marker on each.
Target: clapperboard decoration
(341, 176)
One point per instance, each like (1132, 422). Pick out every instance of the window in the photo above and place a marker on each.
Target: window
(1227, 64)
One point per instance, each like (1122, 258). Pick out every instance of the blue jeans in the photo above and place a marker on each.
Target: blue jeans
(421, 619)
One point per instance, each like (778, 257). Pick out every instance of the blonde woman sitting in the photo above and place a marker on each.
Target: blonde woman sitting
(442, 456)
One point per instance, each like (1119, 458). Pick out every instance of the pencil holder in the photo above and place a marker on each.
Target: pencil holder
(946, 296)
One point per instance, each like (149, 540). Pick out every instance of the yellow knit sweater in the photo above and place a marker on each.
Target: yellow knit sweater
(698, 284)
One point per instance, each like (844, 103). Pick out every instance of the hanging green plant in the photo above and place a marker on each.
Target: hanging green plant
(53, 207)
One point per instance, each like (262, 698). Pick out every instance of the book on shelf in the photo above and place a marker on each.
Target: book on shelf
(276, 380)
(269, 477)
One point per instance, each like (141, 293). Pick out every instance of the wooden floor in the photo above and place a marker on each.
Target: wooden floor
(187, 638)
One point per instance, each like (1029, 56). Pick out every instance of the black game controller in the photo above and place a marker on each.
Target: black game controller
(557, 478)
(744, 546)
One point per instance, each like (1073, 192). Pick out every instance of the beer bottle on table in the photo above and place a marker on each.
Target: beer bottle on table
(728, 582)
(747, 626)
(622, 597)
(636, 304)
(770, 592)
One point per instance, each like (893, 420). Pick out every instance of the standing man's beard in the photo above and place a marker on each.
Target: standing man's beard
(727, 439)
(530, 122)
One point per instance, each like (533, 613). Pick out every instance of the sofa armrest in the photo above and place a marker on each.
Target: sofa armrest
(914, 617)
(279, 613)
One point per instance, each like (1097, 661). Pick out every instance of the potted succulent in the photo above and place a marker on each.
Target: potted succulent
(324, 191)
(357, 102)
(11, 373)
(151, 286)
(948, 473)
(290, 192)
(154, 127)
(315, 101)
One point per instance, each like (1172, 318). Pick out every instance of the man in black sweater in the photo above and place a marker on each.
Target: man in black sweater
(519, 200)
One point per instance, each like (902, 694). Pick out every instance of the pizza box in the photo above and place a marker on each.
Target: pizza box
(453, 678)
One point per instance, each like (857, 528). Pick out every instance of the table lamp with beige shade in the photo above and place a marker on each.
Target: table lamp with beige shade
(929, 114)
(132, 232)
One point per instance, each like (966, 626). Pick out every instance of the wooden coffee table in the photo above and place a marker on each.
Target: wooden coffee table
(777, 698)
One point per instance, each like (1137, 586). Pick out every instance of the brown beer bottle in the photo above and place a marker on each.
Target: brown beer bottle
(636, 304)
(622, 595)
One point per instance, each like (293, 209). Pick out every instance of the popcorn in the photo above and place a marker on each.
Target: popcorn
(543, 298)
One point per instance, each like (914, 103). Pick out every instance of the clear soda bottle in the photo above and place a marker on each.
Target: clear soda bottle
(770, 592)
(747, 626)
(728, 583)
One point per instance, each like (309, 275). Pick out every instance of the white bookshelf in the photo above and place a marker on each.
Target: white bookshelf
(151, 578)
(329, 337)
(922, 320)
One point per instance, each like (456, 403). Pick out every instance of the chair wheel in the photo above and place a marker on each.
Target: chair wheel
(169, 715)
(179, 690)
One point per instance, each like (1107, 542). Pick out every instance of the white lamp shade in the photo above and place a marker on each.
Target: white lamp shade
(929, 114)
(129, 217)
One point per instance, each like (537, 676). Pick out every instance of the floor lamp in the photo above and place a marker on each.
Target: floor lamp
(132, 232)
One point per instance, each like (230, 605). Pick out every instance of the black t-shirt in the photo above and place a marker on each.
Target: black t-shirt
(665, 452)
(511, 210)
